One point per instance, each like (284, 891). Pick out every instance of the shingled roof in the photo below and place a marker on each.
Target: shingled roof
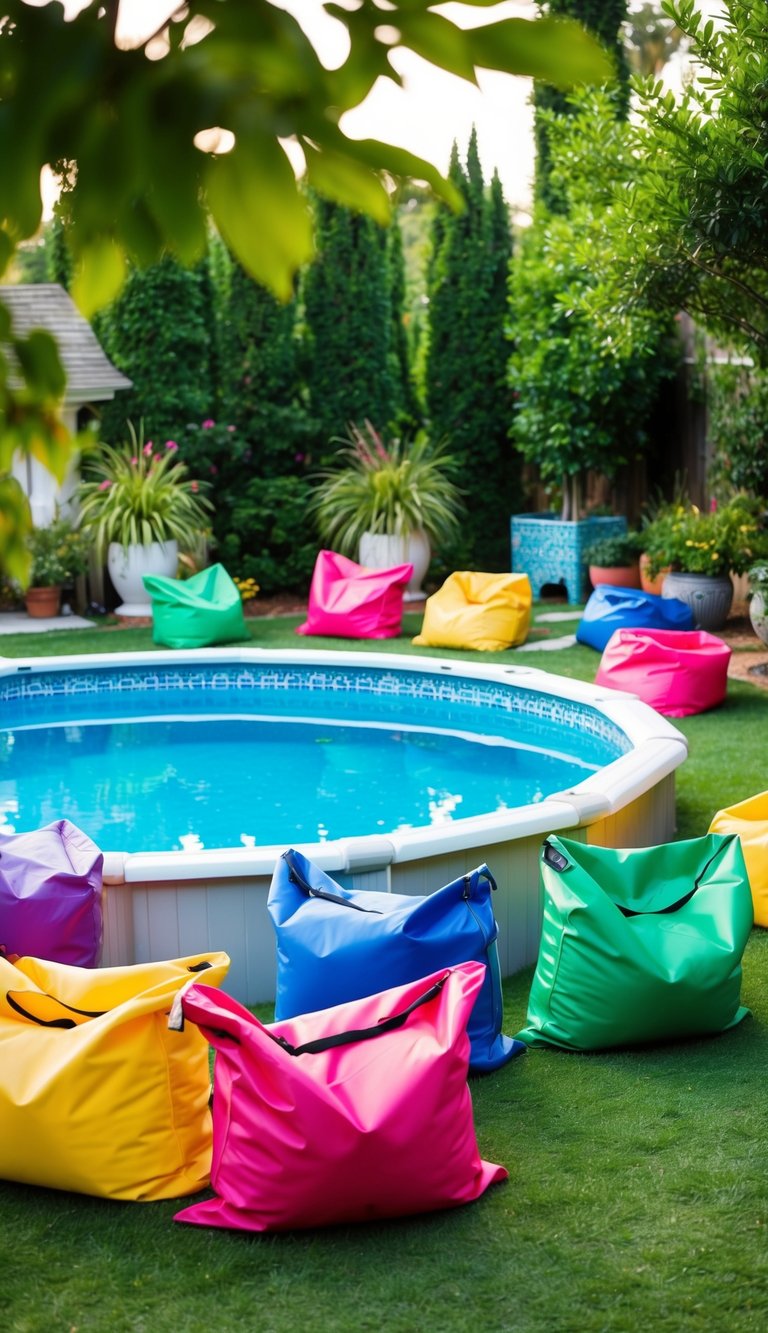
(91, 377)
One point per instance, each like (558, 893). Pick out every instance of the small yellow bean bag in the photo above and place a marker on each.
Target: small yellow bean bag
(488, 612)
(750, 820)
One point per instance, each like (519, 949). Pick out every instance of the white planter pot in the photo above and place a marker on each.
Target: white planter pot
(127, 566)
(708, 595)
(379, 550)
(758, 615)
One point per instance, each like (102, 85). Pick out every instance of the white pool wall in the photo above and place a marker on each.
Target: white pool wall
(171, 904)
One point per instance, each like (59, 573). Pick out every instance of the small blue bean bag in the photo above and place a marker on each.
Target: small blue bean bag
(335, 945)
(610, 608)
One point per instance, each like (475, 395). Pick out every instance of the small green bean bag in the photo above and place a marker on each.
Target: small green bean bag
(641, 945)
(196, 612)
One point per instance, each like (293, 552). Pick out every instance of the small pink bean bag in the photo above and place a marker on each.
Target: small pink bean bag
(677, 672)
(349, 1114)
(350, 601)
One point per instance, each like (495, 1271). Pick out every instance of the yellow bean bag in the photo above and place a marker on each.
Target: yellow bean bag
(750, 820)
(488, 612)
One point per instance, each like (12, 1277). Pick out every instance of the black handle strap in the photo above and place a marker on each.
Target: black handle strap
(673, 907)
(361, 1034)
(297, 878)
(61, 1022)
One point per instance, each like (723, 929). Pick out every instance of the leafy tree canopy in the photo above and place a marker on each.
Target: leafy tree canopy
(691, 230)
(122, 129)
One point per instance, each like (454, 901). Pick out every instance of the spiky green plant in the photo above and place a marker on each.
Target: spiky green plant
(395, 488)
(140, 493)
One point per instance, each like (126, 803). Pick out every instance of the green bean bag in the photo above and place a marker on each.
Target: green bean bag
(196, 612)
(639, 946)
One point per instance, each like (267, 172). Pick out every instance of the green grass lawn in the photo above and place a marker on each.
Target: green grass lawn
(638, 1190)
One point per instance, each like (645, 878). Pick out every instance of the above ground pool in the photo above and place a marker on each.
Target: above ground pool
(200, 768)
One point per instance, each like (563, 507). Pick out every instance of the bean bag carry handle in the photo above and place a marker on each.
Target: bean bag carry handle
(362, 1034)
(559, 863)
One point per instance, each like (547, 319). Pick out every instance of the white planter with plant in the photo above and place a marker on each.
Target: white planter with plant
(139, 510)
(390, 503)
(758, 601)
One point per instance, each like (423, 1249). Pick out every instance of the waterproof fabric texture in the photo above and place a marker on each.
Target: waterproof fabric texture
(487, 612)
(196, 612)
(749, 820)
(51, 895)
(336, 944)
(350, 601)
(375, 1122)
(96, 1094)
(677, 672)
(610, 608)
(639, 946)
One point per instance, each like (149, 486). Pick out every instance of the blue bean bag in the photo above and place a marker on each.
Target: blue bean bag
(611, 608)
(335, 945)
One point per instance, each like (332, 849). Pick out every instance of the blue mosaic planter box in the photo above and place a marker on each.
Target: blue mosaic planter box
(551, 551)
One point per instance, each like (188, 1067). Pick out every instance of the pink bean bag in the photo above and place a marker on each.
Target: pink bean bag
(350, 601)
(348, 1114)
(677, 672)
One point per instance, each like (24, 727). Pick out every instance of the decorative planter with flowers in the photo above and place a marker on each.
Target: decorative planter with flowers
(59, 556)
(390, 503)
(139, 509)
(703, 548)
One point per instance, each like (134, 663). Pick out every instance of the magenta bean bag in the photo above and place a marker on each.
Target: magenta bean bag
(677, 672)
(350, 601)
(50, 895)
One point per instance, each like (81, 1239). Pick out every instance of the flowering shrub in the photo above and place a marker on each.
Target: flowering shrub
(59, 554)
(248, 588)
(728, 538)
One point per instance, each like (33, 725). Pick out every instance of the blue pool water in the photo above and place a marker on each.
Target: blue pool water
(168, 756)
(163, 785)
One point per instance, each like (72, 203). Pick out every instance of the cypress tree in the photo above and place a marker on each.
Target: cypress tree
(348, 326)
(158, 332)
(604, 18)
(465, 375)
(263, 395)
(406, 407)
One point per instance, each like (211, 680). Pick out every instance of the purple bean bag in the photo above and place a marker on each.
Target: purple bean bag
(611, 608)
(350, 601)
(50, 895)
(677, 673)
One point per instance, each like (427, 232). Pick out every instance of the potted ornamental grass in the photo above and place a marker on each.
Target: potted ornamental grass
(703, 548)
(390, 502)
(59, 555)
(140, 509)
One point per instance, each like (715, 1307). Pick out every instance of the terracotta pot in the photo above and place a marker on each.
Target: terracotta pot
(617, 576)
(43, 603)
(649, 584)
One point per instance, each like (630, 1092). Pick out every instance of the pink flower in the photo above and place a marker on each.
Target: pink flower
(134, 461)
(147, 449)
(713, 505)
(230, 428)
(171, 444)
(208, 424)
(194, 486)
(214, 469)
(105, 484)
